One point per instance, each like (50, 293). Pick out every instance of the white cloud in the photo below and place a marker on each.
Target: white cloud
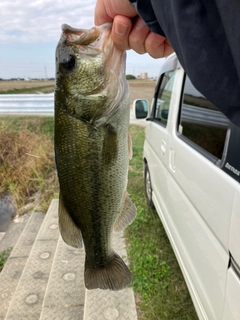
(41, 20)
(30, 30)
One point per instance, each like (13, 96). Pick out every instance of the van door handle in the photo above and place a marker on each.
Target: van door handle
(172, 160)
(163, 146)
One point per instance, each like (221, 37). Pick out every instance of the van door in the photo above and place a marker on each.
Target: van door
(200, 198)
(156, 143)
(232, 168)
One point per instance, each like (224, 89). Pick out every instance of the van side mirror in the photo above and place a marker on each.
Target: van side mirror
(140, 109)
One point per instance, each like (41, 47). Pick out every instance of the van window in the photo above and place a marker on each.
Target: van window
(163, 97)
(201, 122)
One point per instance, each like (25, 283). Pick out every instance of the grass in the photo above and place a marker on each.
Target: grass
(26, 159)
(42, 89)
(4, 256)
(159, 286)
(38, 125)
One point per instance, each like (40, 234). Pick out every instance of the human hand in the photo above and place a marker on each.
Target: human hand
(129, 30)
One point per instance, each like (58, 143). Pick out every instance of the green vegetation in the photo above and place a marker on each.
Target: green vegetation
(159, 286)
(130, 77)
(42, 89)
(27, 164)
(4, 256)
(38, 125)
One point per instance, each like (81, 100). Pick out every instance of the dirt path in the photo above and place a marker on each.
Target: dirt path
(139, 89)
(15, 84)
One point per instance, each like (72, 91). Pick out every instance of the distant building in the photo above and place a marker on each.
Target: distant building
(143, 75)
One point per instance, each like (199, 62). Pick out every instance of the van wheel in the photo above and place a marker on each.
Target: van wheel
(148, 186)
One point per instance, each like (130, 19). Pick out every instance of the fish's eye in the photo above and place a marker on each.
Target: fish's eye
(69, 62)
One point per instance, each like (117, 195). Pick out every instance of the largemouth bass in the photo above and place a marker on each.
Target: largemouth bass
(92, 150)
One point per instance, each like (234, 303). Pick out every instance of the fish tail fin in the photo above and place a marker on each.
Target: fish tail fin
(113, 276)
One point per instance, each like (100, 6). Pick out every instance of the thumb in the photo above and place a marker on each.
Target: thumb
(120, 32)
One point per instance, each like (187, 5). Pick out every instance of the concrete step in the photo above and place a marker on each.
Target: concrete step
(66, 297)
(21, 237)
(28, 297)
(65, 294)
(111, 305)
(51, 285)
(10, 237)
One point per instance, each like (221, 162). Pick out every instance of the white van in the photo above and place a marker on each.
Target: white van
(192, 174)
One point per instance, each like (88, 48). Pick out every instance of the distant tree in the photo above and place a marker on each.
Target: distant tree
(130, 77)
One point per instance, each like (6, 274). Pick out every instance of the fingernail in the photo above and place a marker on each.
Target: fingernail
(120, 28)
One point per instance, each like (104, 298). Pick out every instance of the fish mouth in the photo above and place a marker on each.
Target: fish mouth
(83, 37)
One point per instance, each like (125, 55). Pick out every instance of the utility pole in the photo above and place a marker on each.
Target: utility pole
(45, 71)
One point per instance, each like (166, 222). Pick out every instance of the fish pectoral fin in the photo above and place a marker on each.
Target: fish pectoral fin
(126, 215)
(70, 233)
(110, 145)
(114, 275)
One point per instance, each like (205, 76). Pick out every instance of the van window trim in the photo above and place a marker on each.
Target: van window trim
(152, 116)
(218, 162)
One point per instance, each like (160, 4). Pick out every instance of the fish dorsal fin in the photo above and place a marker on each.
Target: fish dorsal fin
(126, 215)
(80, 36)
(129, 146)
(70, 233)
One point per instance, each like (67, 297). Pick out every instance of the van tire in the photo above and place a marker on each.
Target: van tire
(148, 186)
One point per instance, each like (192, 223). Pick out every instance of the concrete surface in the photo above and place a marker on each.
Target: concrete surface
(43, 278)
(13, 269)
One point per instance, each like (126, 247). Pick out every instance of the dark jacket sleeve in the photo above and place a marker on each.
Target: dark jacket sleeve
(205, 34)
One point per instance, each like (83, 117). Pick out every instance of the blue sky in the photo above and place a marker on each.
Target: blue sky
(30, 30)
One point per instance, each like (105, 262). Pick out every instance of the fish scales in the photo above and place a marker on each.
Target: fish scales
(92, 149)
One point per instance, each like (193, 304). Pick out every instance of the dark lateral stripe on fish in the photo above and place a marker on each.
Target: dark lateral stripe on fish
(110, 145)
(97, 223)
(114, 275)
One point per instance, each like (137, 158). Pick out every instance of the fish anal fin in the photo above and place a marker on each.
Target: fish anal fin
(110, 145)
(115, 275)
(70, 233)
(126, 215)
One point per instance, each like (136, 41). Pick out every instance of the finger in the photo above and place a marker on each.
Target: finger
(101, 15)
(138, 36)
(106, 10)
(157, 46)
(120, 32)
(168, 48)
